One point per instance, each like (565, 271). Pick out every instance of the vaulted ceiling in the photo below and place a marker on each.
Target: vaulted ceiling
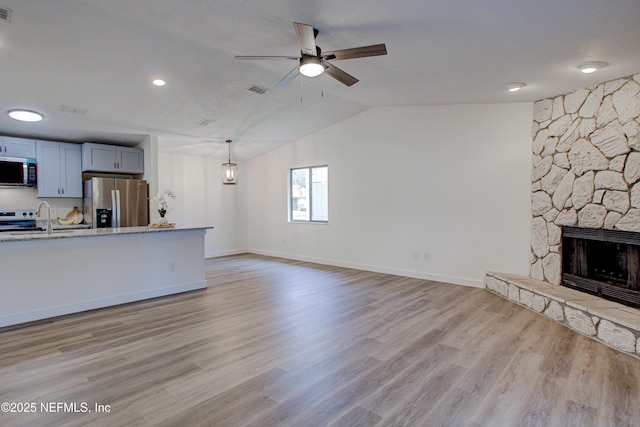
(87, 65)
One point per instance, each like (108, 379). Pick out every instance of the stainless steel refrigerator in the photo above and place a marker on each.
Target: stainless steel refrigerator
(116, 202)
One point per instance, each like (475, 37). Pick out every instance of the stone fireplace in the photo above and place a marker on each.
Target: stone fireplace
(585, 202)
(586, 167)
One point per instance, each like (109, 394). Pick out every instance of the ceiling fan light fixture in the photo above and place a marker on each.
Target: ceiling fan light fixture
(311, 66)
(591, 67)
(312, 62)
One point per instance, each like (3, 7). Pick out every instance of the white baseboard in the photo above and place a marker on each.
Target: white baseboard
(216, 254)
(475, 283)
(100, 303)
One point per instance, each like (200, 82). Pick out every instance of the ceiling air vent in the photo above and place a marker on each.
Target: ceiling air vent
(204, 122)
(258, 89)
(5, 14)
(73, 110)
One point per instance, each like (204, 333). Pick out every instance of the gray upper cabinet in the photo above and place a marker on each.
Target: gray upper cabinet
(59, 169)
(17, 147)
(112, 158)
(130, 160)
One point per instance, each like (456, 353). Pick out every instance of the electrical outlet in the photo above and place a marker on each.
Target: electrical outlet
(426, 257)
(415, 256)
(172, 266)
(54, 213)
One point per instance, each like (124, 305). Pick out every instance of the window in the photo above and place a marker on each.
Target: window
(309, 194)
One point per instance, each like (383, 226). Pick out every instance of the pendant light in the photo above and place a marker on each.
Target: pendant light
(229, 170)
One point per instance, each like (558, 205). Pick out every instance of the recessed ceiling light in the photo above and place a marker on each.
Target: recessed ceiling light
(514, 86)
(591, 67)
(25, 115)
(159, 82)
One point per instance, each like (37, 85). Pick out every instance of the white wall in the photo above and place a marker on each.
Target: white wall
(202, 200)
(150, 147)
(450, 181)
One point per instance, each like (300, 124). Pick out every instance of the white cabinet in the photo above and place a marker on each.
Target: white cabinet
(99, 157)
(17, 147)
(59, 169)
(130, 160)
(112, 158)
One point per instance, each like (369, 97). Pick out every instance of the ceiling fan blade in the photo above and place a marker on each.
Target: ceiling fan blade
(306, 34)
(341, 76)
(289, 77)
(267, 57)
(356, 52)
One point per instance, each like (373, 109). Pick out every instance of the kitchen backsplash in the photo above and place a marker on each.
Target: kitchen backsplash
(25, 198)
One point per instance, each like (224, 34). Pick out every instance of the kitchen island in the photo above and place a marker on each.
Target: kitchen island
(43, 276)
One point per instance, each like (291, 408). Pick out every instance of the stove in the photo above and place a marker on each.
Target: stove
(18, 220)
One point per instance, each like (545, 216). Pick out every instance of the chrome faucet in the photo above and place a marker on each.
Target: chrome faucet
(49, 226)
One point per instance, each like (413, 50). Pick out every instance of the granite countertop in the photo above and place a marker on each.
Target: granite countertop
(21, 236)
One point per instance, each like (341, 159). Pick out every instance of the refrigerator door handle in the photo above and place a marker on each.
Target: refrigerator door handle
(117, 192)
(114, 208)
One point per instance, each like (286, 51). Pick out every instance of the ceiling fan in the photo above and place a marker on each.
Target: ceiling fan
(314, 62)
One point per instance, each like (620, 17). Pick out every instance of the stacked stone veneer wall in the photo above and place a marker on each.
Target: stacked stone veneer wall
(586, 167)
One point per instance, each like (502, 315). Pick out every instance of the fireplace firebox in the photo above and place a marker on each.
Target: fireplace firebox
(602, 262)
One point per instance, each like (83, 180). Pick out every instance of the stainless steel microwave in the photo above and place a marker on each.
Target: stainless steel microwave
(16, 171)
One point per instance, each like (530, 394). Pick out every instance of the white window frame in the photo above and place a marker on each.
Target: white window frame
(290, 196)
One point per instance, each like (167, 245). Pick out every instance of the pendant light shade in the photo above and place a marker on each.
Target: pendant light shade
(229, 170)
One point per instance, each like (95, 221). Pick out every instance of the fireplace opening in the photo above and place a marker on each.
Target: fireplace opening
(602, 262)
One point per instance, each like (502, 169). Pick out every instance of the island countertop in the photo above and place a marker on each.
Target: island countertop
(21, 236)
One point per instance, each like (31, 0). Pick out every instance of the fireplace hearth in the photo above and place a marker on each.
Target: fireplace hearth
(602, 262)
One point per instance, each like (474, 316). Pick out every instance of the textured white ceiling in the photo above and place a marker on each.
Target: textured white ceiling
(102, 55)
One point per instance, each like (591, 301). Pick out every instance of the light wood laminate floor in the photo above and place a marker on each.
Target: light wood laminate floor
(273, 342)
